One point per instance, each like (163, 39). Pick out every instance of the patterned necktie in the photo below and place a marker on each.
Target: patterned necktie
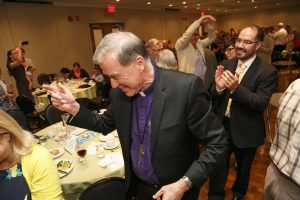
(200, 68)
(241, 71)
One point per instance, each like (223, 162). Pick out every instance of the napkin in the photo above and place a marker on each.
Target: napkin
(77, 131)
(112, 162)
(92, 148)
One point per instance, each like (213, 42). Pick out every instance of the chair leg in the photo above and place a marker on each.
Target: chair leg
(269, 124)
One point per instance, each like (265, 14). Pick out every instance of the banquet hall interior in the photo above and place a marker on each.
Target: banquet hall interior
(62, 32)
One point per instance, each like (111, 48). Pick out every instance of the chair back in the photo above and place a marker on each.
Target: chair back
(106, 189)
(53, 115)
(25, 104)
(43, 79)
(19, 117)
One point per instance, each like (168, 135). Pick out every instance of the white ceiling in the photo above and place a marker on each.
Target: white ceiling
(214, 7)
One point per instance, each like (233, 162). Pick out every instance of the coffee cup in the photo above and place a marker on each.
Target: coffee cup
(110, 143)
(51, 134)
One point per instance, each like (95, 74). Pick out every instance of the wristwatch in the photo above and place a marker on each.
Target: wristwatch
(187, 181)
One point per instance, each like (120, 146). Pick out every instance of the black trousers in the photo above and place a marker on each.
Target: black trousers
(218, 178)
(144, 191)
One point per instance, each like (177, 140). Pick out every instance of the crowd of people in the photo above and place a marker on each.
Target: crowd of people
(216, 100)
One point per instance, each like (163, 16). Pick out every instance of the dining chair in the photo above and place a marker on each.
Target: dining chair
(274, 101)
(36, 120)
(53, 115)
(106, 189)
(19, 116)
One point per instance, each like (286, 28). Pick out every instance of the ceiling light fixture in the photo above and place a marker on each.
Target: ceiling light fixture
(277, 4)
(170, 5)
(198, 4)
(183, 2)
(185, 6)
(255, 7)
(117, 0)
(148, 2)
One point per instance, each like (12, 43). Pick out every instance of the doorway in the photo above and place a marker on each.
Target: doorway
(99, 30)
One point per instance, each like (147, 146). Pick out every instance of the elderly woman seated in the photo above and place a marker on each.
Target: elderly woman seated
(166, 59)
(27, 170)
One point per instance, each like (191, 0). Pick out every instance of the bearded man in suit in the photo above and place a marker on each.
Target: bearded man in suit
(241, 93)
(161, 117)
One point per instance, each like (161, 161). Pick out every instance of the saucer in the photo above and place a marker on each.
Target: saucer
(56, 152)
(112, 147)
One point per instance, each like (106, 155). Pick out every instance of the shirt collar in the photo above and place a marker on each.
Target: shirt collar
(150, 89)
(248, 63)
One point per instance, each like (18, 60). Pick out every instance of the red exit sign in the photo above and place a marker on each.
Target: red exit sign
(111, 9)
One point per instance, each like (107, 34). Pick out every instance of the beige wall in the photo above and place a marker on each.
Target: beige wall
(55, 42)
(266, 18)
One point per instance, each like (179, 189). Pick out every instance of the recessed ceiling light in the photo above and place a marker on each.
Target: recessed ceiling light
(117, 0)
(185, 6)
(148, 2)
(170, 5)
(198, 4)
(255, 6)
(253, 1)
(277, 4)
(183, 2)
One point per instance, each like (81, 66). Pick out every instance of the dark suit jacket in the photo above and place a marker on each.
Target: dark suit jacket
(249, 102)
(182, 117)
(211, 64)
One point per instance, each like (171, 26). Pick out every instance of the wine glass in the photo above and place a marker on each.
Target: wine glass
(64, 118)
(81, 152)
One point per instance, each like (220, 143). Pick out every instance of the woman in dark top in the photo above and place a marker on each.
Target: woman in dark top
(77, 72)
(16, 66)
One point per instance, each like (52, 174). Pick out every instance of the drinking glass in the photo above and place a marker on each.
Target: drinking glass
(81, 152)
(64, 118)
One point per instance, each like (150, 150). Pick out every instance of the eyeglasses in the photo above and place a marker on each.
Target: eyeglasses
(246, 42)
(229, 49)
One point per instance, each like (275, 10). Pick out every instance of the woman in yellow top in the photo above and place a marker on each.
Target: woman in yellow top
(27, 170)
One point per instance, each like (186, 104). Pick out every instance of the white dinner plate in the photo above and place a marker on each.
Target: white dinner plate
(103, 138)
(56, 152)
(63, 171)
(108, 148)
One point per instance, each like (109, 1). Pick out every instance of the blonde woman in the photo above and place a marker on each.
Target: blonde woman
(27, 170)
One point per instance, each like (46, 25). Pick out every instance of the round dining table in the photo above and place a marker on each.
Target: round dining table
(79, 89)
(101, 162)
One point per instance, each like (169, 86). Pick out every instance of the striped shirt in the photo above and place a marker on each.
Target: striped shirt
(285, 150)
